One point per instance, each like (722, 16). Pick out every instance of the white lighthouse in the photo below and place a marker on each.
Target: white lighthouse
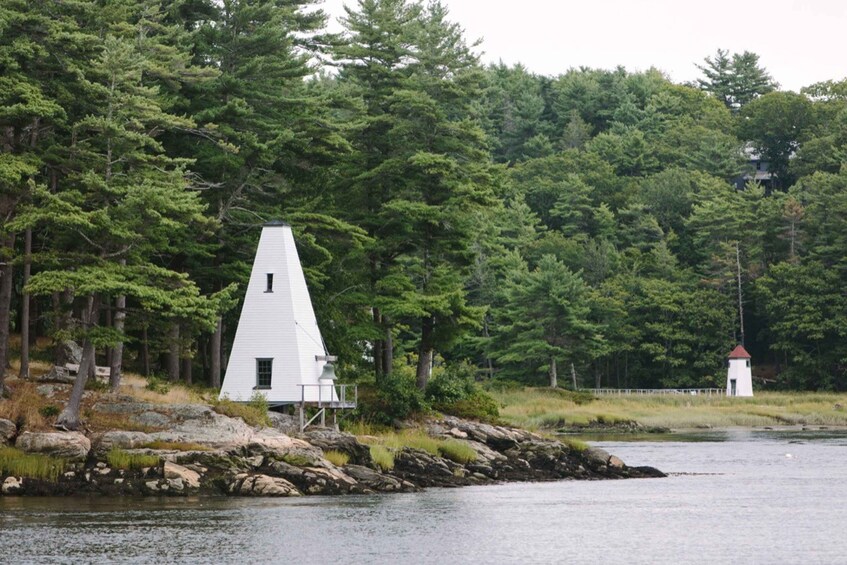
(278, 350)
(739, 375)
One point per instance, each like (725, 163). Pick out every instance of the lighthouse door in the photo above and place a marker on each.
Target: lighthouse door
(732, 387)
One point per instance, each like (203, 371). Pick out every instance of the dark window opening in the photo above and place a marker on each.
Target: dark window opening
(264, 369)
(270, 283)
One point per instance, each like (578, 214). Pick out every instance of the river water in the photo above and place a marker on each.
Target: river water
(733, 497)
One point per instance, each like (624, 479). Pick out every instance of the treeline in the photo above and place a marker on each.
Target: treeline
(583, 227)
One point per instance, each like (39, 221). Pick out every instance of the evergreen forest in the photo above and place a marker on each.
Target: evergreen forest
(597, 228)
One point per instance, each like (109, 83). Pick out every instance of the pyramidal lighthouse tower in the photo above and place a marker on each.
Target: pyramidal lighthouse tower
(739, 375)
(278, 349)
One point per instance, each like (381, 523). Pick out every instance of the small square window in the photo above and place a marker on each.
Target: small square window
(270, 287)
(264, 371)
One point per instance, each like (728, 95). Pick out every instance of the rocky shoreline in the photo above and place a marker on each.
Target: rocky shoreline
(200, 451)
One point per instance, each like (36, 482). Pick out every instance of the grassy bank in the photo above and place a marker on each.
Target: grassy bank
(543, 409)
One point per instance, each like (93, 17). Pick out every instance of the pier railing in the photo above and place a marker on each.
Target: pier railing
(655, 391)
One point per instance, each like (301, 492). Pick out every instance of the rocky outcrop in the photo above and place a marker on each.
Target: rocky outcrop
(339, 441)
(196, 450)
(12, 485)
(261, 485)
(8, 429)
(72, 446)
(172, 471)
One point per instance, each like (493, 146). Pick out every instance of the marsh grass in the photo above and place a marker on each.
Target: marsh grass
(30, 465)
(457, 451)
(173, 393)
(362, 428)
(120, 459)
(252, 413)
(393, 441)
(538, 409)
(337, 458)
(573, 443)
(382, 457)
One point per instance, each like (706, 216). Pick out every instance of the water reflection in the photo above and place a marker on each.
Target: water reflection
(729, 485)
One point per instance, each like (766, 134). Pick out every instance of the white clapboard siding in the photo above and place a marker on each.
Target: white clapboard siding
(278, 325)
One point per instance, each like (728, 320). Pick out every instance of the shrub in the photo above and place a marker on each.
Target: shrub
(382, 457)
(337, 458)
(456, 392)
(31, 465)
(157, 385)
(398, 398)
(120, 459)
(457, 451)
(49, 411)
(480, 406)
(455, 383)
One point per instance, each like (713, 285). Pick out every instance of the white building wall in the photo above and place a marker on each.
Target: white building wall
(278, 325)
(740, 370)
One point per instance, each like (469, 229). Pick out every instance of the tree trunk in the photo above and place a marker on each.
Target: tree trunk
(145, 351)
(740, 297)
(173, 354)
(69, 417)
(25, 301)
(388, 353)
(217, 337)
(187, 370)
(573, 376)
(62, 306)
(425, 353)
(5, 304)
(554, 377)
(116, 362)
(378, 349)
(489, 364)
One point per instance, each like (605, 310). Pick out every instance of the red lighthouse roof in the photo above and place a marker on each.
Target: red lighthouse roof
(739, 353)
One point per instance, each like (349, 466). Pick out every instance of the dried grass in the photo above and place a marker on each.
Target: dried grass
(539, 409)
(24, 406)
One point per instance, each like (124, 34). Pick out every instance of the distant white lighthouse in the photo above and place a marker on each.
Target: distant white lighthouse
(739, 375)
(278, 350)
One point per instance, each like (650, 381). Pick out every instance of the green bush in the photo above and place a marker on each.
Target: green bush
(49, 411)
(456, 392)
(455, 383)
(398, 398)
(157, 385)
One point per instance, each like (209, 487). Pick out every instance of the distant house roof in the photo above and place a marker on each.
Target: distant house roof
(739, 353)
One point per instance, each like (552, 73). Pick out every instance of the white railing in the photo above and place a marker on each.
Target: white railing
(330, 395)
(646, 391)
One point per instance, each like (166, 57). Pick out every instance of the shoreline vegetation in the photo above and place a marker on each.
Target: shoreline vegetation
(549, 410)
(154, 438)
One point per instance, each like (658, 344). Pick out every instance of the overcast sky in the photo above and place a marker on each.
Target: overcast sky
(799, 41)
